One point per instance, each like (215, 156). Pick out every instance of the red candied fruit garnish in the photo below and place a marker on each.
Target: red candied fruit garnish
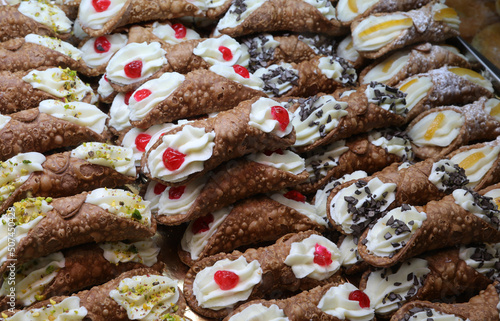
(102, 44)
(242, 71)
(173, 159)
(175, 192)
(295, 195)
(180, 30)
(226, 53)
(226, 280)
(280, 114)
(142, 94)
(202, 224)
(133, 69)
(101, 5)
(106, 78)
(141, 141)
(126, 99)
(159, 188)
(270, 152)
(361, 297)
(322, 256)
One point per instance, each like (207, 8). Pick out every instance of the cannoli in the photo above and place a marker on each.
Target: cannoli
(85, 168)
(164, 99)
(461, 218)
(335, 301)
(244, 18)
(482, 307)
(296, 261)
(45, 225)
(439, 131)
(370, 152)
(172, 33)
(33, 16)
(96, 52)
(409, 62)
(346, 50)
(24, 90)
(193, 149)
(440, 87)
(354, 205)
(380, 33)
(349, 10)
(106, 93)
(247, 222)
(74, 269)
(52, 125)
(436, 276)
(256, 173)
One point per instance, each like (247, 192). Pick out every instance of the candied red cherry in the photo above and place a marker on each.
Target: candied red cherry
(141, 141)
(280, 114)
(159, 188)
(295, 195)
(175, 192)
(242, 71)
(106, 78)
(126, 99)
(202, 224)
(227, 55)
(226, 280)
(173, 159)
(133, 69)
(322, 256)
(102, 45)
(142, 94)
(361, 297)
(101, 5)
(180, 30)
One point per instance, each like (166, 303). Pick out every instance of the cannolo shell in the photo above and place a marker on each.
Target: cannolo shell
(217, 12)
(234, 137)
(254, 220)
(31, 130)
(276, 275)
(231, 182)
(202, 92)
(63, 175)
(181, 58)
(292, 49)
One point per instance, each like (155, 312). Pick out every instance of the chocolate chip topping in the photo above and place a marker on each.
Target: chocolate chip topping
(455, 180)
(324, 45)
(384, 93)
(349, 75)
(239, 6)
(259, 55)
(278, 75)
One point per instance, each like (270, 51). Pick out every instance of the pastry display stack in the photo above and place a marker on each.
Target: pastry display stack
(245, 160)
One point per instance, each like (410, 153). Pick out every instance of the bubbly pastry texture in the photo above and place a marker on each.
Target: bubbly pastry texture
(316, 117)
(426, 313)
(16, 170)
(437, 129)
(223, 50)
(472, 76)
(122, 203)
(285, 160)
(447, 176)
(151, 57)
(146, 297)
(32, 277)
(67, 310)
(116, 157)
(193, 142)
(89, 17)
(388, 288)
(416, 88)
(237, 13)
(96, 55)
(119, 113)
(483, 258)
(481, 206)
(62, 83)
(492, 108)
(302, 258)
(303, 208)
(210, 296)
(229, 72)
(155, 91)
(389, 98)
(350, 207)
(76, 112)
(346, 50)
(348, 10)
(166, 32)
(336, 303)
(476, 162)
(278, 78)
(261, 117)
(374, 32)
(55, 44)
(388, 68)
(323, 159)
(47, 14)
(258, 311)
(394, 144)
(392, 231)
(195, 238)
(205, 5)
(145, 252)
